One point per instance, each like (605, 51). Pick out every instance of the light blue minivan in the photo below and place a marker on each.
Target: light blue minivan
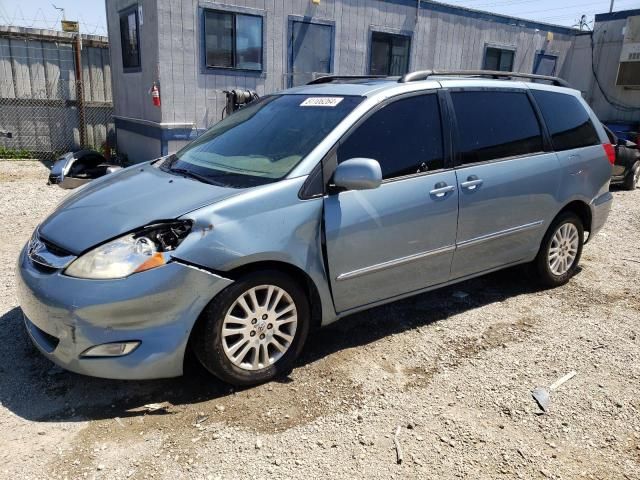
(309, 205)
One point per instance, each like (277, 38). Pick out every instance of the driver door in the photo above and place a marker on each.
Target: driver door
(400, 237)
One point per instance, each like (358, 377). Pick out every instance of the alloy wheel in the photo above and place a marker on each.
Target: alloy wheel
(259, 327)
(563, 249)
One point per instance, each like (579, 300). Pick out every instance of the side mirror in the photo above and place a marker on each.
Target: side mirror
(358, 174)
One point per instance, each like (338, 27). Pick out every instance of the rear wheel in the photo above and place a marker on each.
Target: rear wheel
(254, 330)
(631, 180)
(560, 251)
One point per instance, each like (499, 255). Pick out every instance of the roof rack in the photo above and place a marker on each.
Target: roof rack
(425, 74)
(333, 78)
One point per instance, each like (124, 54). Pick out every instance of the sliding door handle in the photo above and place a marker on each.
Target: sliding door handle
(472, 183)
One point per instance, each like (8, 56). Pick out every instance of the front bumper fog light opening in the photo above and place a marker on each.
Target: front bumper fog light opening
(115, 349)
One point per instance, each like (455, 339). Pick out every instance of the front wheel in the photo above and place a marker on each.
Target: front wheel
(253, 330)
(560, 252)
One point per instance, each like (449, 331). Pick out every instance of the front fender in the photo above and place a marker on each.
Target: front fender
(270, 223)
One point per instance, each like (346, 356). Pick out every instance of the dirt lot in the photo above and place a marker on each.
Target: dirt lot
(454, 372)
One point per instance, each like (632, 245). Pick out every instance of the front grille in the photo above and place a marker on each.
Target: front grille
(55, 249)
(47, 256)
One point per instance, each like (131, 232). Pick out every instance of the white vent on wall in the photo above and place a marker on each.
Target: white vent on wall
(629, 67)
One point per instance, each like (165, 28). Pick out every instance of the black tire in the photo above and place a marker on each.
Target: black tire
(631, 180)
(207, 337)
(541, 268)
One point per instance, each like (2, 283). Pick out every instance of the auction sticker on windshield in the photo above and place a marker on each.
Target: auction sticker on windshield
(321, 101)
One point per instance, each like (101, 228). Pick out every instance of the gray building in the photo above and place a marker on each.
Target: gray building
(605, 66)
(193, 50)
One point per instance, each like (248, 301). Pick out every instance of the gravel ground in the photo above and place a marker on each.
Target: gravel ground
(454, 372)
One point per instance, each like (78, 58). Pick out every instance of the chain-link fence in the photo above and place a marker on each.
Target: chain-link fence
(47, 105)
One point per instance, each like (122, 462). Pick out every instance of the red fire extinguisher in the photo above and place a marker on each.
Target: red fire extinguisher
(155, 95)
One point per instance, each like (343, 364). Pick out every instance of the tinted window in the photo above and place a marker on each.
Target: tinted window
(129, 38)
(404, 136)
(233, 40)
(567, 120)
(495, 125)
(498, 59)
(389, 54)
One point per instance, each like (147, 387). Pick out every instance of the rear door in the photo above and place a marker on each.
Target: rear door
(507, 182)
(399, 237)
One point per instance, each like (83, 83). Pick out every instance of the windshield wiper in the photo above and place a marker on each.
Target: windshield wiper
(197, 176)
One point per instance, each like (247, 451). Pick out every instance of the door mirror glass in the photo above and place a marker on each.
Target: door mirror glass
(358, 174)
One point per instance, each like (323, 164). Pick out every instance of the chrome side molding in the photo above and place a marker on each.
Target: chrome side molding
(394, 263)
(438, 251)
(499, 234)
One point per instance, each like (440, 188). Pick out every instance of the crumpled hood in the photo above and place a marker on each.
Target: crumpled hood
(123, 201)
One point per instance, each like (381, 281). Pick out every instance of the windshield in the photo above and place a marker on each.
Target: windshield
(264, 141)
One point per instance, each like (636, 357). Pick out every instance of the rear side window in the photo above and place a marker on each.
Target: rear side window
(493, 125)
(404, 136)
(567, 120)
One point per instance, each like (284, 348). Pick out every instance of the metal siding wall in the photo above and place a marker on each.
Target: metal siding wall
(607, 39)
(190, 94)
(131, 89)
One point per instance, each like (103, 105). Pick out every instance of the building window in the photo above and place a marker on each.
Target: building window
(629, 72)
(129, 38)
(233, 40)
(500, 59)
(389, 54)
(545, 64)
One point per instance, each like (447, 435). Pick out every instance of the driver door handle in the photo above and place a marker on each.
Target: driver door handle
(441, 190)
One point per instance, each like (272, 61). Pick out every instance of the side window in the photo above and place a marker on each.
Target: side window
(404, 136)
(494, 125)
(568, 122)
(129, 40)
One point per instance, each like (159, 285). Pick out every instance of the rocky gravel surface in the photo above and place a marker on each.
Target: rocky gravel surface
(453, 369)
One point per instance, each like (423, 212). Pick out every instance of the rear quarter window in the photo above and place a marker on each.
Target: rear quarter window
(567, 120)
(494, 125)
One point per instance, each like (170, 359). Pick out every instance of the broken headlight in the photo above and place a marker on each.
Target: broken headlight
(132, 253)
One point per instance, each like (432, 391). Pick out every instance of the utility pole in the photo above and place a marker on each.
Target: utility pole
(74, 27)
(77, 47)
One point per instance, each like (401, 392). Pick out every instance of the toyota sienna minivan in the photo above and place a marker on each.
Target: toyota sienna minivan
(306, 206)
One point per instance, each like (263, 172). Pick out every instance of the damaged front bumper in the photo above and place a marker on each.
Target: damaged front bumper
(65, 316)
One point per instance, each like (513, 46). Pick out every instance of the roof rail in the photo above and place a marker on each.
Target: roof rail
(332, 78)
(425, 74)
